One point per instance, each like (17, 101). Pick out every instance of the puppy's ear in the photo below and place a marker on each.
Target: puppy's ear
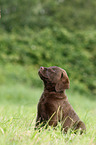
(63, 83)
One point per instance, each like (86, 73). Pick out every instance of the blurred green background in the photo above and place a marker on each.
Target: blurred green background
(36, 33)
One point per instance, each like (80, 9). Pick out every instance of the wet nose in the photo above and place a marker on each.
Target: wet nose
(42, 68)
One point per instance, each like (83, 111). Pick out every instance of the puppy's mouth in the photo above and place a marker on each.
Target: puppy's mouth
(41, 73)
(42, 76)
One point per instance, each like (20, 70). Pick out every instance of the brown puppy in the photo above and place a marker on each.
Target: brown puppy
(53, 105)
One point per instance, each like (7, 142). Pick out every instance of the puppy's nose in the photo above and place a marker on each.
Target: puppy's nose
(42, 68)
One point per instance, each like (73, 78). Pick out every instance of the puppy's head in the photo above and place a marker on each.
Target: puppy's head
(54, 77)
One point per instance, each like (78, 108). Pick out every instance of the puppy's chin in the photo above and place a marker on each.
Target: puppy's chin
(41, 75)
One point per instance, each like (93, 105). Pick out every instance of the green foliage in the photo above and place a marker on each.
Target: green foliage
(46, 33)
(27, 75)
(38, 14)
(75, 52)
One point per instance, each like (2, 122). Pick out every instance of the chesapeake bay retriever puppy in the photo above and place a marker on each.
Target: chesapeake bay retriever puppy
(53, 106)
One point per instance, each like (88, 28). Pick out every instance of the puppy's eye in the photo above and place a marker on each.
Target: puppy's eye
(45, 68)
(62, 75)
(54, 69)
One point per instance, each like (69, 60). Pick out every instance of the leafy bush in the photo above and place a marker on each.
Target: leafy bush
(75, 52)
(38, 14)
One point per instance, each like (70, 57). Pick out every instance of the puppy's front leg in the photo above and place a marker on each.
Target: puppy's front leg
(53, 120)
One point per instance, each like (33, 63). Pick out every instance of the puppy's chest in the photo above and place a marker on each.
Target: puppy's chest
(57, 103)
(54, 102)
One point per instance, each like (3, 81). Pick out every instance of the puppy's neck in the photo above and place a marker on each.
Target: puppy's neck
(54, 94)
(53, 90)
(50, 88)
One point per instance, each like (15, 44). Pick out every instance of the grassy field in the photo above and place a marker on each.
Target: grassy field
(18, 104)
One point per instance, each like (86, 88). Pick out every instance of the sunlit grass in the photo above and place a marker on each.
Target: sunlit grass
(18, 106)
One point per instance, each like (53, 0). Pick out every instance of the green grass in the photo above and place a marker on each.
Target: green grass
(18, 105)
